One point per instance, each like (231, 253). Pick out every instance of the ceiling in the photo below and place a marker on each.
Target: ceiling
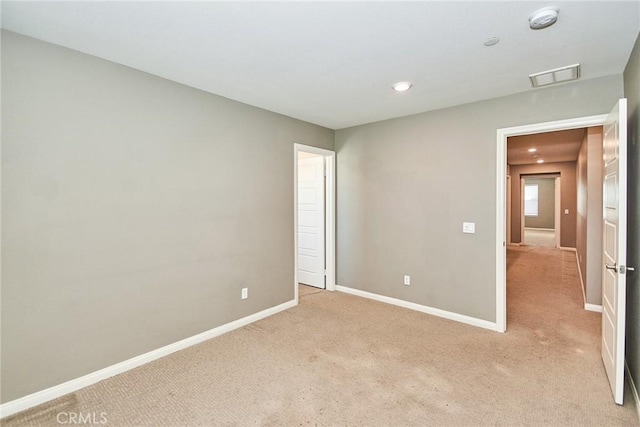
(558, 146)
(333, 63)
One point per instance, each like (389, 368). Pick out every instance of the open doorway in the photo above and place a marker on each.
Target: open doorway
(314, 224)
(610, 130)
(540, 206)
(558, 202)
(311, 220)
(543, 195)
(541, 166)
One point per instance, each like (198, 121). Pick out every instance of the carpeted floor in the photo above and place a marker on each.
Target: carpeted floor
(537, 237)
(338, 359)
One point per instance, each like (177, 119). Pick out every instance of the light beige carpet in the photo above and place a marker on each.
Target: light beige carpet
(342, 360)
(537, 237)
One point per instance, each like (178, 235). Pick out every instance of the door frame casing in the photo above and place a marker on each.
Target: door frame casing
(329, 217)
(557, 213)
(508, 202)
(501, 210)
(522, 216)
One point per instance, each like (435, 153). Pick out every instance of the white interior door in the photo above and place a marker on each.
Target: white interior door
(311, 220)
(614, 250)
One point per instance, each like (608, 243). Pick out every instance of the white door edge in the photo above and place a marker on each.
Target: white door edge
(614, 292)
(330, 217)
(501, 178)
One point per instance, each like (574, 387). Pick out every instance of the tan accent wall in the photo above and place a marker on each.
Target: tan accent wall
(589, 219)
(581, 209)
(546, 204)
(567, 171)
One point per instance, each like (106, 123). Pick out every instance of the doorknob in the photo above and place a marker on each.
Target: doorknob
(625, 269)
(613, 267)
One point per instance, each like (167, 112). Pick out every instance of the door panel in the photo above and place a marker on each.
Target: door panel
(608, 291)
(311, 221)
(614, 247)
(307, 241)
(307, 218)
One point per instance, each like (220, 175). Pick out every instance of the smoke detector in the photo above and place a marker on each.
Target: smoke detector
(543, 18)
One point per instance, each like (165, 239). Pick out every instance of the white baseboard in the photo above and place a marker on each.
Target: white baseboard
(584, 295)
(634, 389)
(421, 308)
(31, 400)
(565, 248)
(593, 307)
(589, 307)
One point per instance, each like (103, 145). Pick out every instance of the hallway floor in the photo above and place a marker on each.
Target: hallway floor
(538, 237)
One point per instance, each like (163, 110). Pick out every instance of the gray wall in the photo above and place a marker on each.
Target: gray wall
(546, 203)
(406, 185)
(134, 210)
(567, 171)
(589, 218)
(632, 93)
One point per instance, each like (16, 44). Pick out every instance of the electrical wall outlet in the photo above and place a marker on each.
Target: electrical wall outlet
(407, 280)
(469, 227)
(245, 293)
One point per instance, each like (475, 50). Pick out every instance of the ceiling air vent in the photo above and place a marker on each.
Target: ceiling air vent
(558, 75)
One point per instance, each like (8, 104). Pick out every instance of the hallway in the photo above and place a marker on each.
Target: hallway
(544, 299)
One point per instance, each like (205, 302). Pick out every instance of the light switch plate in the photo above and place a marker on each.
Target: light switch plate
(566, 211)
(469, 227)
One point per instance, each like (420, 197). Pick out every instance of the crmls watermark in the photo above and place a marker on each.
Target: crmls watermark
(85, 418)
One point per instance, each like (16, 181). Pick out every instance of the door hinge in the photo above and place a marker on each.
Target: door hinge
(325, 272)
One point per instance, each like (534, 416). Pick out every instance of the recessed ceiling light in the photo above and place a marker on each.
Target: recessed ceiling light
(402, 86)
(492, 41)
(543, 18)
(540, 161)
(532, 150)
